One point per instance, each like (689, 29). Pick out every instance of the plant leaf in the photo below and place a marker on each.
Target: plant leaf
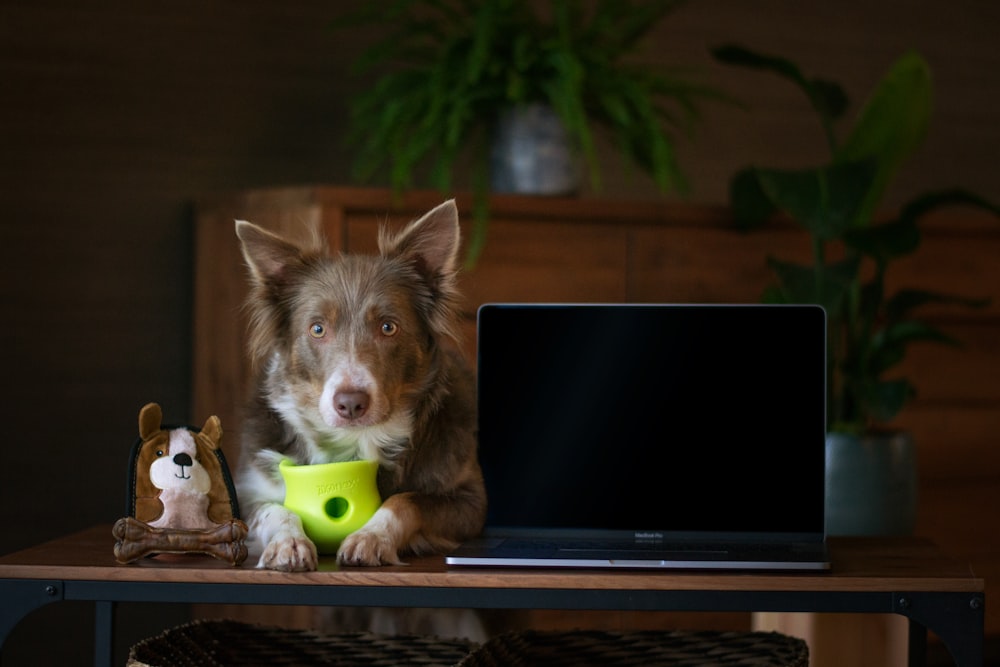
(891, 126)
(827, 97)
(885, 399)
(888, 346)
(886, 241)
(824, 200)
(930, 201)
(909, 331)
(750, 204)
(906, 300)
(823, 285)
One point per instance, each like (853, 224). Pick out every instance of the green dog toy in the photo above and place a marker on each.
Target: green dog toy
(332, 499)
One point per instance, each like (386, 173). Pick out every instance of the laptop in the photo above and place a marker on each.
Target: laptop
(678, 436)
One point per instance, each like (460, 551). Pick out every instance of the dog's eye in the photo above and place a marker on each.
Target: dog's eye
(159, 453)
(317, 330)
(389, 328)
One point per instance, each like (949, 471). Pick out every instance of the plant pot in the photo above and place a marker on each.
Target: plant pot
(532, 153)
(871, 484)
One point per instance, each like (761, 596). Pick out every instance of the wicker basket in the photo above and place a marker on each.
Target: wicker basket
(225, 643)
(641, 649)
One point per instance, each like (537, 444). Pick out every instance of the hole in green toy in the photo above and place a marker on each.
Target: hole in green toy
(336, 507)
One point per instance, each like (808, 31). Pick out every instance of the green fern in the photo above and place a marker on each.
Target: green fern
(445, 69)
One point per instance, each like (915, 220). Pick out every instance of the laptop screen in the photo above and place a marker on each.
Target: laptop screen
(701, 419)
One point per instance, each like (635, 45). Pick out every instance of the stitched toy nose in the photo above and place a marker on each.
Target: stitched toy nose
(182, 459)
(351, 404)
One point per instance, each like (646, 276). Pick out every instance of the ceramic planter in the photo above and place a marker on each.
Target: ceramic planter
(871, 484)
(532, 153)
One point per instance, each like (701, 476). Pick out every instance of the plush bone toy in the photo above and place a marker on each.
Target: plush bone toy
(181, 497)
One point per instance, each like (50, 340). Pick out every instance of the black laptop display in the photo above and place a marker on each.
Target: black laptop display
(676, 436)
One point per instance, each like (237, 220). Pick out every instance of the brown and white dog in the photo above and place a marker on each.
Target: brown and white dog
(355, 357)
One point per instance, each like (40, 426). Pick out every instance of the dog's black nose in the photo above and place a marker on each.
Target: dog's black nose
(351, 404)
(182, 459)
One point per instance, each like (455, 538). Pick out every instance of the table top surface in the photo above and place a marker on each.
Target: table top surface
(860, 564)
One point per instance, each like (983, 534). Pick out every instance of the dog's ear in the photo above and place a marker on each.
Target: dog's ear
(430, 246)
(432, 242)
(268, 255)
(273, 263)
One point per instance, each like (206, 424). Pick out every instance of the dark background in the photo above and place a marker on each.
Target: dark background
(115, 116)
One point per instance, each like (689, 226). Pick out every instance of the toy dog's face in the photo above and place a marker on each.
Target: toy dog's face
(177, 466)
(172, 463)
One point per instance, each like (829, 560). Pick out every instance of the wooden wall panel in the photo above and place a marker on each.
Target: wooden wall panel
(956, 442)
(957, 374)
(530, 260)
(701, 264)
(536, 261)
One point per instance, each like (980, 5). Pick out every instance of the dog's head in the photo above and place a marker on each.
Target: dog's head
(182, 459)
(349, 345)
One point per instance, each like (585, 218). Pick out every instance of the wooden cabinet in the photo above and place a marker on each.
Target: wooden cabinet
(602, 250)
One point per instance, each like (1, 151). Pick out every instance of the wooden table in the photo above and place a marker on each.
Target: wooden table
(906, 576)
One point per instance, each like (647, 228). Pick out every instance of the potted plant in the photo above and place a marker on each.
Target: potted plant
(447, 73)
(853, 245)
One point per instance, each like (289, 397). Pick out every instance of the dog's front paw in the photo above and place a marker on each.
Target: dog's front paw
(289, 553)
(368, 547)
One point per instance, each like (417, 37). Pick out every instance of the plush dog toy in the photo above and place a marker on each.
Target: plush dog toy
(181, 497)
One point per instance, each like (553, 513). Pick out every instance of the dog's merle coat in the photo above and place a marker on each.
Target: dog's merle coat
(356, 357)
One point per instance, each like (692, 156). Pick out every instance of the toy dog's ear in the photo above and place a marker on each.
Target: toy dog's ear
(212, 430)
(149, 420)
(145, 501)
(222, 506)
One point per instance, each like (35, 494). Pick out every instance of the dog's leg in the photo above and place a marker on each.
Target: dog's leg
(413, 523)
(380, 540)
(286, 546)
